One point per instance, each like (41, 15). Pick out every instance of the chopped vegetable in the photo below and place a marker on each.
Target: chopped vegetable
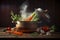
(30, 17)
(17, 33)
(15, 17)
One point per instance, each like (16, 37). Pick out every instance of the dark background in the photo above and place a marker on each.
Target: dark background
(7, 5)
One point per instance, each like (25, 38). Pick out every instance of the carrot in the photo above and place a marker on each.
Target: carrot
(17, 33)
(30, 17)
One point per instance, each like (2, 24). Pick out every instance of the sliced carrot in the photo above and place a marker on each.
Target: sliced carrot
(29, 18)
(17, 33)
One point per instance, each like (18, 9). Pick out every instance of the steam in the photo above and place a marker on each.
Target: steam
(23, 10)
(25, 14)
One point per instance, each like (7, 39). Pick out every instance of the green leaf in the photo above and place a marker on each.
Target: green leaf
(14, 17)
(12, 13)
(53, 28)
(34, 34)
(35, 17)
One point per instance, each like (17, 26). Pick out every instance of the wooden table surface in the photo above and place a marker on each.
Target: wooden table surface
(27, 35)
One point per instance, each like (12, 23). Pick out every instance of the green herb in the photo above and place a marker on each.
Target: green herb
(53, 28)
(35, 17)
(34, 34)
(15, 17)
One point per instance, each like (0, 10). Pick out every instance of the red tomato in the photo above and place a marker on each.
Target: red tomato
(9, 28)
(45, 28)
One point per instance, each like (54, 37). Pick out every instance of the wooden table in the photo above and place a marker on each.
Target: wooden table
(27, 35)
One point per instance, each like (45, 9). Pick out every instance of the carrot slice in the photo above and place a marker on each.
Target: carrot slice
(17, 33)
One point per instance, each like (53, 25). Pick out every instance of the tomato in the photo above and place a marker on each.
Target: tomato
(45, 28)
(9, 28)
